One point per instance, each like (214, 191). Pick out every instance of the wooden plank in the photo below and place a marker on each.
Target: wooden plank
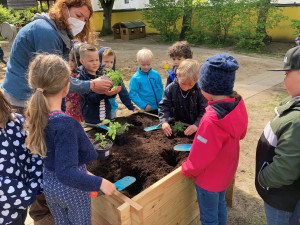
(229, 194)
(125, 218)
(169, 192)
(187, 215)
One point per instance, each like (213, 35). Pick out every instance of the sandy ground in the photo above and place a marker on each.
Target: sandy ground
(247, 205)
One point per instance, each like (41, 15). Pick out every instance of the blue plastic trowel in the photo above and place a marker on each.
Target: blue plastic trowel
(183, 147)
(97, 126)
(120, 185)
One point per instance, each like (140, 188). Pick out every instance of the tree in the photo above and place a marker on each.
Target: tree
(264, 7)
(107, 6)
(187, 18)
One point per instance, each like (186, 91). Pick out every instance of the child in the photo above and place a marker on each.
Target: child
(145, 86)
(63, 142)
(182, 99)
(179, 51)
(214, 154)
(73, 99)
(95, 107)
(277, 177)
(297, 41)
(108, 58)
(21, 171)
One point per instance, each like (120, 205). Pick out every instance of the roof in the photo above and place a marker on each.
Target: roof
(130, 24)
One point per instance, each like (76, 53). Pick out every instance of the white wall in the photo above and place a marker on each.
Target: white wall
(120, 4)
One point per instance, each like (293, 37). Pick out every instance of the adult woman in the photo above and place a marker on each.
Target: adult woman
(51, 33)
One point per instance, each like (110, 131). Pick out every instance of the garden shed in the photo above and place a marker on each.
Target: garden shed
(129, 30)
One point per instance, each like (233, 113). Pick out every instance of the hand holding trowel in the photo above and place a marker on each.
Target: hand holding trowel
(120, 185)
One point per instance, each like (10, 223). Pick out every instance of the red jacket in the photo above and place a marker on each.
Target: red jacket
(214, 154)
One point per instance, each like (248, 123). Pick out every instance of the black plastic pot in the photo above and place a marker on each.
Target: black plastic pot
(103, 153)
(121, 139)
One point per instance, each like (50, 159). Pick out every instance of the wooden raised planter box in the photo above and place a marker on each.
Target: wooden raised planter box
(170, 200)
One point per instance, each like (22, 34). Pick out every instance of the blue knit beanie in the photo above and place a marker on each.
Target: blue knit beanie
(217, 74)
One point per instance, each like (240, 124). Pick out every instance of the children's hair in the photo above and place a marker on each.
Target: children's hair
(189, 69)
(144, 54)
(75, 53)
(180, 49)
(108, 52)
(5, 109)
(86, 48)
(48, 74)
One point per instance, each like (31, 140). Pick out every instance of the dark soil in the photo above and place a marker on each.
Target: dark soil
(147, 156)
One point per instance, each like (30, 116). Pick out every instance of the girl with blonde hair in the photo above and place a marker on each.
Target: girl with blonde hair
(62, 142)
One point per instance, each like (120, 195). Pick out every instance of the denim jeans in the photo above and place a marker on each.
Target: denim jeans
(276, 216)
(212, 207)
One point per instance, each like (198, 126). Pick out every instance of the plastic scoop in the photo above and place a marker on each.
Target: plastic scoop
(97, 126)
(120, 185)
(183, 147)
(155, 127)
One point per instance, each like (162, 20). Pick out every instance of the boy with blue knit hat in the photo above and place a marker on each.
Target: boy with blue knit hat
(297, 41)
(277, 178)
(214, 154)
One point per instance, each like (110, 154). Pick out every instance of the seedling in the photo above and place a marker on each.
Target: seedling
(178, 127)
(115, 76)
(101, 137)
(115, 128)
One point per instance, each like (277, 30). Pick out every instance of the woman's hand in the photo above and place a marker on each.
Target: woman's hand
(190, 130)
(107, 187)
(100, 85)
(167, 129)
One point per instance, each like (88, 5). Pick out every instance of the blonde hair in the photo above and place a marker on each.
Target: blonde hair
(56, 14)
(5, 109)
(144, 54)
(108, 52)
(188, 69)
(48, 74)
(86, 48)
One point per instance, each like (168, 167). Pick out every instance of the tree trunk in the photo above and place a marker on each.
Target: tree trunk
(107, 14)
(186, 20)
(263, 7)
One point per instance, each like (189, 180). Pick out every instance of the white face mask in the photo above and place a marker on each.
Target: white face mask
(76, 25)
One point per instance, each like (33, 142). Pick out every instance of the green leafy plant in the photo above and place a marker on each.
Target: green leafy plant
(115, 76)
(178, 127)
(115, 128)
(101, 137)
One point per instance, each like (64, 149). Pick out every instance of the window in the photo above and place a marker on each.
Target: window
(126, 1)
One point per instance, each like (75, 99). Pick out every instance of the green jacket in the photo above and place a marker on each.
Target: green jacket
(278, 158)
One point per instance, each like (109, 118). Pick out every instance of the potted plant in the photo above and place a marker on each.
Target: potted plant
(178, 128)
(115, 76)
(118, 132)
(103, 146)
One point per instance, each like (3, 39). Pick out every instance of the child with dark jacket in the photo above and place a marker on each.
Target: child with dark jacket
(95, 107)
(277, 177)
(179, 51)
(108, 61)
(20, 170)
(214, 154)
(182, 99)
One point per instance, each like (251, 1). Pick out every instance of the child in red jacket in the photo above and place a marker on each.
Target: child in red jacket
(214, 155)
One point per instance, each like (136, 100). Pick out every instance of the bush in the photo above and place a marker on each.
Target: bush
(163, 16)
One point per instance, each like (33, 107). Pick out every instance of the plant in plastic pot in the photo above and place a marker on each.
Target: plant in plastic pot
(118, 132)
(103, 146)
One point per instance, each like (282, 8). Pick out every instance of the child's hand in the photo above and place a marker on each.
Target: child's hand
(167, 129)
(69, 105)
(107, 187)
(148, 108)
(113, 91)
(190, 130)
(136, 109)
